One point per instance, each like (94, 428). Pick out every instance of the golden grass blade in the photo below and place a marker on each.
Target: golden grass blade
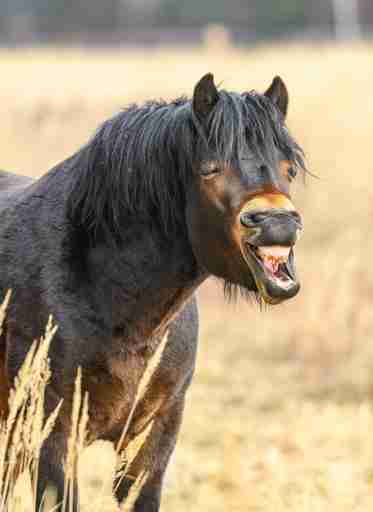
(135, 445)
(49, 423)
(134, 492)
(129, 454)
(143, 386)
(77, 439)
(50, 500)
(4, 307)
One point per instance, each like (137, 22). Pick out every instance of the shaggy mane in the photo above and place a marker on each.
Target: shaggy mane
(139, 162)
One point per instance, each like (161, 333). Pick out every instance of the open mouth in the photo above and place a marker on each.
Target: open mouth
(273, 270)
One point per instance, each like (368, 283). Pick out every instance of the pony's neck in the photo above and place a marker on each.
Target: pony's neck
(146, 282)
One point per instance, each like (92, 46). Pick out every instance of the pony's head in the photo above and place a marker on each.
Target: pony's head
(215, 170)
(241, 221)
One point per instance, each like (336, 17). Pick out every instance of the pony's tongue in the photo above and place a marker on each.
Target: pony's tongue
(273, 256)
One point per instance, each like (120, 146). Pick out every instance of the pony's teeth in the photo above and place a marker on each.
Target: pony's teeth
(279, 252)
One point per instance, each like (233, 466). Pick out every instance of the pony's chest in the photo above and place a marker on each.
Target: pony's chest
(142, 374)
(132, 384)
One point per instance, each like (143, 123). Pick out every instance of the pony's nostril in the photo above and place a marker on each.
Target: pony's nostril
(251, 219)
(259, 217)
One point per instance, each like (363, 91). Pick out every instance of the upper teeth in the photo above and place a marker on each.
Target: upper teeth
(277, 252)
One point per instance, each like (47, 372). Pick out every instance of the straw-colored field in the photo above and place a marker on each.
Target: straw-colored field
(280, 414)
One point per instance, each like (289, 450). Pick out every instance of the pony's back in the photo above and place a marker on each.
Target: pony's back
(10, 184)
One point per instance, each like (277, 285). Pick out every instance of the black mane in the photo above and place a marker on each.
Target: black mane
(139, 162)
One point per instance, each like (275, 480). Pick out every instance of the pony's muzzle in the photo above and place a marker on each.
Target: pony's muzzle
(270, 219)
(269, 228)
(275, 226)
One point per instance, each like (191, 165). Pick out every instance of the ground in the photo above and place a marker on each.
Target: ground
(279, 416)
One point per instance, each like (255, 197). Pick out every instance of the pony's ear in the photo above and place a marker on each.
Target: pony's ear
(278, 94)
(205, 96)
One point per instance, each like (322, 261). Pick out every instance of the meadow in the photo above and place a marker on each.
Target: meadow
(280, 413)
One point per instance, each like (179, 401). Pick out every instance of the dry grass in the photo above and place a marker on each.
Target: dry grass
(280, 415)
(26, 429)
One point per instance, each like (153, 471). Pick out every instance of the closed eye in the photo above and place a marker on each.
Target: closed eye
(210, 169)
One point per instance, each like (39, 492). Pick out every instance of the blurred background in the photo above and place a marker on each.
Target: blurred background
(279, 416)
(168, 21)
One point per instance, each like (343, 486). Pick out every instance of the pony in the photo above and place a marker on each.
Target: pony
(114, 242)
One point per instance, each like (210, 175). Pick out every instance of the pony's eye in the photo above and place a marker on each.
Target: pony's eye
(292, 173)
(210, 169)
